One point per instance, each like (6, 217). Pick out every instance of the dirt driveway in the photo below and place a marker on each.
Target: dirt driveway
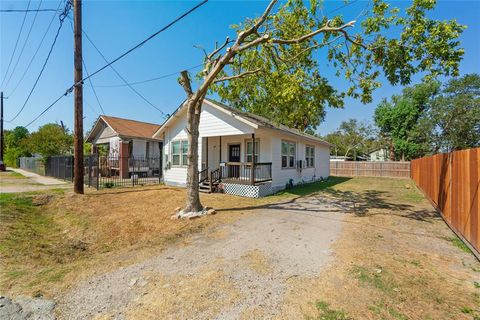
(240, 270)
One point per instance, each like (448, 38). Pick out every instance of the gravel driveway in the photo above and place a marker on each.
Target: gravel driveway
(239, 270)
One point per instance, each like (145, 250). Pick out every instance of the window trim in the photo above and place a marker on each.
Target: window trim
(288, 155)
(180, 154)
(307, 156)
(257, 142)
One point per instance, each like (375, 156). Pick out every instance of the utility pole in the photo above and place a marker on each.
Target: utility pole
(1, 127)
(78, 100)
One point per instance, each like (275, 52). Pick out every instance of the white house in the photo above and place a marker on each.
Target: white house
(232, 143)
(381, 154)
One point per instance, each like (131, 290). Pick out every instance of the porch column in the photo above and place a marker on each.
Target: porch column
(206, 152)
(123, 159)
(252, 170)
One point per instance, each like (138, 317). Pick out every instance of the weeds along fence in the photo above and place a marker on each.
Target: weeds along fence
(394, 169)
(452, 182)
(101, 171)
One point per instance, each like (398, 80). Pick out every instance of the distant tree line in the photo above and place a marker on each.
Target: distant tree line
(425, 119)
(49, 140)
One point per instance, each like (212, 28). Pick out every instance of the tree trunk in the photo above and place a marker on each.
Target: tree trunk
(194, 108)
(193, 196)
(392, 151)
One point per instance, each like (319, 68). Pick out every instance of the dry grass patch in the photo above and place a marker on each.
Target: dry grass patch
(257, 261)
(51, 239)
(200, 295)
(394, 260)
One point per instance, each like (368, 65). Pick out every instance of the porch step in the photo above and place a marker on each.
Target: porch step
(205, 187)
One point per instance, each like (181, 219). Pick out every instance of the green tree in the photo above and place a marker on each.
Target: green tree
(51, 139)
(16, 145)
(399, 120)
(352, 138)
(454, 116)
(397, 44)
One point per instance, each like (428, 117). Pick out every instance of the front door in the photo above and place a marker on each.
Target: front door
(234, 156)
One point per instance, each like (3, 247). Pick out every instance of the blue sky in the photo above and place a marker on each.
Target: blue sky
(115, 26)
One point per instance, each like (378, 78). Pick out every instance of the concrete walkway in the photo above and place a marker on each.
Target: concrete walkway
(29, 182)
(48, 181)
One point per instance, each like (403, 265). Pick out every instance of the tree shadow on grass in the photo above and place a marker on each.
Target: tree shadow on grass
(320, 197)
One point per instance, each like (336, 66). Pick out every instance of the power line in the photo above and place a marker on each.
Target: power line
(37, 50)
(147, 39)
(24, 45)
(16, 42)
(49, 106)
(93, 88)
(28, 10)
(70, 89)
(63, 15)
(343, 6)
(148, 80)
(116, 72)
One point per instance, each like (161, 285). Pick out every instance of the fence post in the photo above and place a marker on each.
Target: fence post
(98, 171)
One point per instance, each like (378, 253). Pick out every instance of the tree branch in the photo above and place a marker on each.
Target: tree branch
(185, 83)
(211, 55)
(326, 28)
(240, 75)
(242, 35)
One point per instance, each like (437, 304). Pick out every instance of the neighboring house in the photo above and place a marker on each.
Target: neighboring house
(231, 142)
(132, 149)
(124, 137)
(381, 154)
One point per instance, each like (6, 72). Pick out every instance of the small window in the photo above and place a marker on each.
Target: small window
(310, 156)
(184, 152)
(176, 153)
(288, 154)
(179, 153)
(248, 153)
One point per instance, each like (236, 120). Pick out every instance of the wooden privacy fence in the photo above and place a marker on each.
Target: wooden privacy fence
(370, 169)
(452, 182)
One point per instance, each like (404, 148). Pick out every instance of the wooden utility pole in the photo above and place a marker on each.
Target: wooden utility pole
(78, 100)
(1, 127)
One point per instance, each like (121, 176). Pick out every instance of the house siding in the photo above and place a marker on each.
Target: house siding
(215, 123)
(104, 135)
(281, 176)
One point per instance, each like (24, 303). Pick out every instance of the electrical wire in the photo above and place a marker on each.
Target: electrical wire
(146, 40)
(93, 88)
(148, 80)
(24, 45)
(121, 77)
(16, 42)
(28, 10)
(63, 15)
(70, 89)
(37, 50)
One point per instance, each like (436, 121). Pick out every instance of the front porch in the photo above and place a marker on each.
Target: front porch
(222, 168)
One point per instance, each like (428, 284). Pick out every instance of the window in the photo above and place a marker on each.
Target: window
(184, 152)
(310, 156)
(176, 153)
(288, 154)
(179, 152)
(248, 153)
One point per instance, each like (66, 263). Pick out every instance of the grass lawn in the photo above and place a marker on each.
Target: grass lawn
(395, 258)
